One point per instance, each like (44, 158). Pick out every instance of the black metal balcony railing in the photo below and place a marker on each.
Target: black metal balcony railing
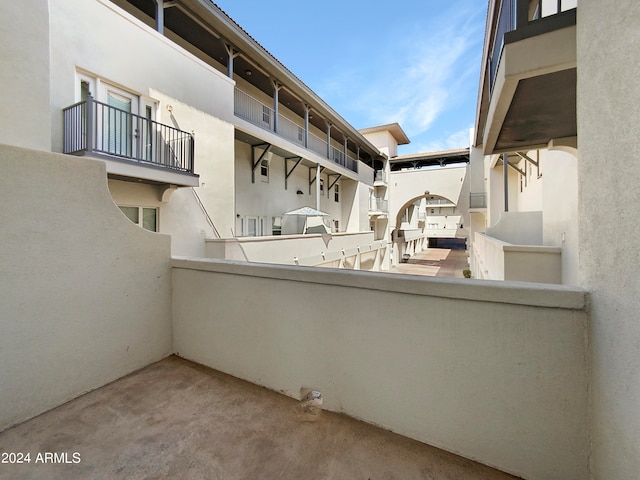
(95, 127)
(506, 23)
(528, 16)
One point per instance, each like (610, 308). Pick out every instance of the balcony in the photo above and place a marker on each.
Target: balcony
(528, 95)
(493, 259)
(378, 205)
(478, 200)
(380, 178)
(496, 372)
(263, 116)
(132, 145)
(441, 202)
(513, 249)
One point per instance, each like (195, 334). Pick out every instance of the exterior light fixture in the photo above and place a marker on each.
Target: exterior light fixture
(299, 192)
(248, 73)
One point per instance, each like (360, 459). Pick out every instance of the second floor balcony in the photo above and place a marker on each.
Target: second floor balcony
(381, 178)
(478, 200)
(378, 205)
(528, 87)
(264, 116)
(132, 145)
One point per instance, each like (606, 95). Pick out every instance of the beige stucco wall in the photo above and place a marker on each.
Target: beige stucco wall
(384, 142)
(608, 125)
(409, 185)
(85, 294)
(550, 189)
(145, 63)
(138, 59)
(493, 371)
(344, 250)
(270, 198)
(24, 76)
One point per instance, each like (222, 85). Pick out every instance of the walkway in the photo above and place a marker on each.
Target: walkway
(435, 262)
(177, 419)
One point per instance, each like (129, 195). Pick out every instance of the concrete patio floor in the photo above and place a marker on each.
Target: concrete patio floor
(176, 419)
(435, 262)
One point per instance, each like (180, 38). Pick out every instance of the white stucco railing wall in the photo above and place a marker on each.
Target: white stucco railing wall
(340, 250)
(493, 259)
(86, 294)
(493, 371)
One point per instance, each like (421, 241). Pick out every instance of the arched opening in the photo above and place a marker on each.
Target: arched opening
(427, 221)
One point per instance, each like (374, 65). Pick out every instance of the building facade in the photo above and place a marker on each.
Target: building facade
(205, 135)
(552, 195)
(524, 167)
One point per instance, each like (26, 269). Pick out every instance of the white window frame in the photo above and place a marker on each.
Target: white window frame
(99, 89)
(264, 167)
(141, 209)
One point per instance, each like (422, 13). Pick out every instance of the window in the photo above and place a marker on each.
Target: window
(336, 226)
(336, 192)
(264, 170)
(146, 217)
(322, 186)
(266, 115)
(276, 226)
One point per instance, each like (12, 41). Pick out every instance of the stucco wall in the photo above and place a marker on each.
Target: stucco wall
(137, 59)
(24, 76)
(608, 125)
(409, 185)
(493, 371)
(518, 228)
(268, 198)
(190, 95)
(85, 295)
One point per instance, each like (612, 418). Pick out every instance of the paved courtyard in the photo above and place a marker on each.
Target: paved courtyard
(435, 262)
(179, 420)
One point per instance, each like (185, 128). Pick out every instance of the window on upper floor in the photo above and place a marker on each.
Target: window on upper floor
(264, 170)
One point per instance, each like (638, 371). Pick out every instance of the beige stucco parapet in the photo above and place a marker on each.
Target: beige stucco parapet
(517, 293)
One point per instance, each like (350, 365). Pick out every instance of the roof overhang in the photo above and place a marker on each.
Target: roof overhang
(419, 160)
(393, 128)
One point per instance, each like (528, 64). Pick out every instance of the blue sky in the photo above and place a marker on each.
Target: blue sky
(415, 62)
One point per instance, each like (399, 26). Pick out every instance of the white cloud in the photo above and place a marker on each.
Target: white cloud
(458, 139)
(419, 72)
